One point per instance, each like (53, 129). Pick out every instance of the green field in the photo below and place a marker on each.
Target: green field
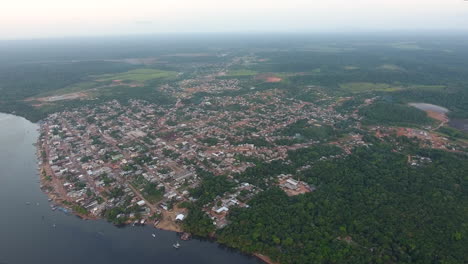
(138, 75)
(357, 87)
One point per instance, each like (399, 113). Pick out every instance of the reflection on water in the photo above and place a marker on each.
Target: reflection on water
(461, 124)
(430, 107)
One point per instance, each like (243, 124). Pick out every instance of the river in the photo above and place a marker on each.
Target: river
(28, 235)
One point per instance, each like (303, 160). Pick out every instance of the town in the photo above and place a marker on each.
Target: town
(136, 163)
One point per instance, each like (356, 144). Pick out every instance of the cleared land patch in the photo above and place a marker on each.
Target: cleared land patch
(269, 78)
(70, 96)
(138, 75)
(350, 68)
(390, 67)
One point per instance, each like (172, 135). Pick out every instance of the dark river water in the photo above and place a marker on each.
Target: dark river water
(27, 234)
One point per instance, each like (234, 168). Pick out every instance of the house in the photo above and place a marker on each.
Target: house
(221, 209)
(180, 217)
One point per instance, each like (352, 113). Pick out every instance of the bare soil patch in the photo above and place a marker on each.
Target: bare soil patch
(438, 116)
(168, 221)
(269, 78)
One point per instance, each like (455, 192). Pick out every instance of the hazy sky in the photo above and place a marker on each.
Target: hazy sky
(57, 18)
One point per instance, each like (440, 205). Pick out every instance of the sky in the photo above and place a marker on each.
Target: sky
(25, 19)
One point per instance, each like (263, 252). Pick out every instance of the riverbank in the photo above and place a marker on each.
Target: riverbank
(51, 186)
(166, 222)
(58, 189)
(30, 225)
(47, 185)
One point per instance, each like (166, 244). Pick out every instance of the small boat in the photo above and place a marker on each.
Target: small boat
(154, 235)
(176, 245)
(28, 203)
(185, 236)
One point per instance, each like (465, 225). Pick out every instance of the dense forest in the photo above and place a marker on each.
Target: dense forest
(382, 113)
(371, 207)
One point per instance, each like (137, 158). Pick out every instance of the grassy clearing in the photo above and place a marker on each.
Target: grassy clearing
(350, 68)
(77, 87)
(139, 75)
(358, 87)
(390, 67)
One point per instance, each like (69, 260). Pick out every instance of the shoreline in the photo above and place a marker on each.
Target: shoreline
(51, 186)
(57, 200)
(264, 258)
(163, 224)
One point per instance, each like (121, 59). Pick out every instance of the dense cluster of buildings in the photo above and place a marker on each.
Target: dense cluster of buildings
(143, 159)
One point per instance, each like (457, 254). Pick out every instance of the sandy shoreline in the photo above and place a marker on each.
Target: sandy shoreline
(264, 258)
